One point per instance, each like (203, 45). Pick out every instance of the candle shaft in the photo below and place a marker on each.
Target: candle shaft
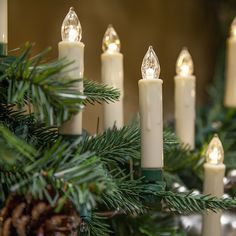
(112, 75)
(3, 27)
(185, 109)
(150, 105)
(73, 52)
(230, 92)
(213, 184)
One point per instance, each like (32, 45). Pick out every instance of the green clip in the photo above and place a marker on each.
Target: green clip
(85, 213)
(3, 49)
(152, 175)
(155, 182)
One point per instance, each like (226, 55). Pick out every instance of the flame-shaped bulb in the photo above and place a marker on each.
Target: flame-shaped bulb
(215, 151)
(150, 67)
(111, 41)
(184, 64)
(233, 28)
(71, 29)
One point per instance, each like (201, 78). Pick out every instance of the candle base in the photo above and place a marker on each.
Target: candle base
(3, 49)
(152, 175)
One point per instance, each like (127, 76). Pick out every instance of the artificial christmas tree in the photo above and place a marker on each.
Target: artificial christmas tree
(98, 177)
(54, 184)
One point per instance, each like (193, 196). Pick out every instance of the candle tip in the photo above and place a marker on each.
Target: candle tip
(184, 64)
(215, 151)
(111, 41)
(150, 66)
(71, 29)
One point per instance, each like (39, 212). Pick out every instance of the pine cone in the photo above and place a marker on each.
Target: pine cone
(24, 216)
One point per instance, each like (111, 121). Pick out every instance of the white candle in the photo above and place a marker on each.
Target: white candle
(150, 105)
(230, 87)
(214, 171)
(112, 75)
(3, 27)
(185, 99)
(73, 50)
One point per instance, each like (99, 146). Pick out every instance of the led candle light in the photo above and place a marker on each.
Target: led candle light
(230, 92)
(185, 99)
(150, 106)
(214, 171)
(112, 75)
(73, 50)
(3, 27)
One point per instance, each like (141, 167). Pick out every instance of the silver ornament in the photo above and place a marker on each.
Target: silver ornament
(175, 185)
(193, 224)
(232, 174)
(196, 192)
(182, 189)
(226, 195)
(178, 188)
(230, 180)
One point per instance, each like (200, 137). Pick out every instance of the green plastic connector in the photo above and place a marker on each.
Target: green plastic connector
(85, 213)
(155, 182)
(3, 49)
(152, 175)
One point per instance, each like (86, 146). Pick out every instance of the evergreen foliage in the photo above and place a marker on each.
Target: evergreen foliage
(100, 174)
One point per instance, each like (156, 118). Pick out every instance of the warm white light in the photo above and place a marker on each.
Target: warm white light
(233, 28)
(71, 29)
(215, 151)
(150, 67)
(111, 41)
(184, 64)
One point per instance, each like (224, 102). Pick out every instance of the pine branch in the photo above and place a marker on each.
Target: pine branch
(10, 144)
(115, 144)
(9, 177)
(60, 172)
(51, 173)
(53, 98)
(179, 158)
(125, 196)
(26, 127)
(96, 92)
(189, 203)
(98, 227)
(14, 153)
(170, 140)
(150, 224)
(171, 179)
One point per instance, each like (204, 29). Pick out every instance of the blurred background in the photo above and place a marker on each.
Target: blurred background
(167, 25)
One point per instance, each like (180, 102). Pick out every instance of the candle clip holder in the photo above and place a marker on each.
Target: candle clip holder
(85, 213)
(155, 181)
(3, 49)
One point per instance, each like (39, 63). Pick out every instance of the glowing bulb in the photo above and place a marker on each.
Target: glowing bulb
(233, 28)
(215, 151)
(71, 29)
(111, 41)
(184, 64)
(150, 67)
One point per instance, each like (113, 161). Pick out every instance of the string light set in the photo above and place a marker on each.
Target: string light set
(71, 49)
